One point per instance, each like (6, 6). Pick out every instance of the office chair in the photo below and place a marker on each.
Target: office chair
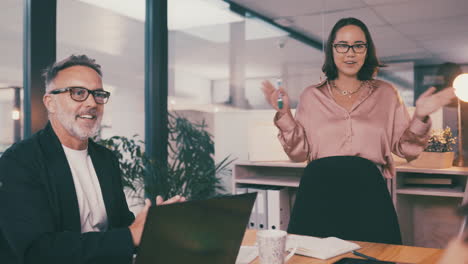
(345, 197)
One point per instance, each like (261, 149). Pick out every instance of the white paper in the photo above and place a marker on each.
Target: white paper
(322, 248)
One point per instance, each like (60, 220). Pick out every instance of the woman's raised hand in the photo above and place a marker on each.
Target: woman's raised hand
(429, 102)
(272, 95)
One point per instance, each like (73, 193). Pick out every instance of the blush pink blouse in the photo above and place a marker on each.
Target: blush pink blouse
(377, 125)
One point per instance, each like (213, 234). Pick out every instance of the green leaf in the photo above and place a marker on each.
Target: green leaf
(191, 170)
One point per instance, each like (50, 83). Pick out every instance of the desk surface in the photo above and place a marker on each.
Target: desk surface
(385, 252)
(400, 167)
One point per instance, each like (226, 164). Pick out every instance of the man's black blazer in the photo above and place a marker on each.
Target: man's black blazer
(39, 214)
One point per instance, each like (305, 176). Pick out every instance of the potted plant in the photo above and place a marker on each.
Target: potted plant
(438, 153)
(190, 170)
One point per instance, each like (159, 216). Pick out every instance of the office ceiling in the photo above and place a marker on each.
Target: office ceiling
(425, 31)
(420, 31)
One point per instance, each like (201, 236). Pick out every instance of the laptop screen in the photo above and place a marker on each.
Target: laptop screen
(204, 231)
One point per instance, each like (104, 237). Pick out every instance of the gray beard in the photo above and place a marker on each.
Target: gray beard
(68, 122)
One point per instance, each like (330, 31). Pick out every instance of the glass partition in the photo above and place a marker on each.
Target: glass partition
(11, 72)
(112, 32)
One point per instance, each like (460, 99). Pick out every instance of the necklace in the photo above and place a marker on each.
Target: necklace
(348, 93)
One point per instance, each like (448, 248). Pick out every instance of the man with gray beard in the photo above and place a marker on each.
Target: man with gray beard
(61, 197)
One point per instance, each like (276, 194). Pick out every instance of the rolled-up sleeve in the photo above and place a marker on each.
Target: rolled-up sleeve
(292, 135)
(410, 136)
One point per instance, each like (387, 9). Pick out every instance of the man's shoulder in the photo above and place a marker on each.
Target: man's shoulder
(24, 148)
(27, 154)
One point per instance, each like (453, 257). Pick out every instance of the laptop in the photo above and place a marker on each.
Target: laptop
(204, 231)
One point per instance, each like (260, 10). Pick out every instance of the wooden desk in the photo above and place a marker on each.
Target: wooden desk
(385, 252)
(433, 209)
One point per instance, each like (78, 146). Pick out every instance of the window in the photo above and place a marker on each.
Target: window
(11, 73)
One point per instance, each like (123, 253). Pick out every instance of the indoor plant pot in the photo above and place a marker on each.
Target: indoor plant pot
(438, 153)
(434, 160)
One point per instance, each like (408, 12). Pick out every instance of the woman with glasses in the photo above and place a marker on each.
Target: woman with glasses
(351, 113)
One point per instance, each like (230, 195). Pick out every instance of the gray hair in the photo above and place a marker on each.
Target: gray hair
(51, 72)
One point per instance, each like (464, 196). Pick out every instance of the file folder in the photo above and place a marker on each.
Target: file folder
(278, 208)
(259, 217)
(253, 216)
(262, 209)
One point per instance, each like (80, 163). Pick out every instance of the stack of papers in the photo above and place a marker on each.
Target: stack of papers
(321, 248)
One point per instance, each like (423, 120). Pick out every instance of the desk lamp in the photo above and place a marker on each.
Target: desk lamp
(461, 91)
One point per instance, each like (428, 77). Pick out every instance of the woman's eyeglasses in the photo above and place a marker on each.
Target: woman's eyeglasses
(80, 94)
(344, 48)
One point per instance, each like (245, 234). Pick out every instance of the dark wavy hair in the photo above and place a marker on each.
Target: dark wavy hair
(371, 63)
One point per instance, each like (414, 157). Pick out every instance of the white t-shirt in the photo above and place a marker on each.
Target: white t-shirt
(93, 213)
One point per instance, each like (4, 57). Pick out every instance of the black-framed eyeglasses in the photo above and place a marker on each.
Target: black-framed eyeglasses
(80, 94)
(344, 48)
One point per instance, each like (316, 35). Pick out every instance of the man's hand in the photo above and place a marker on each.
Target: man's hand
(175, 199)
(136, 228)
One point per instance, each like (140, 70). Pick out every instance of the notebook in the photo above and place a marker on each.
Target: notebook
(321, 248)
(204, 231)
